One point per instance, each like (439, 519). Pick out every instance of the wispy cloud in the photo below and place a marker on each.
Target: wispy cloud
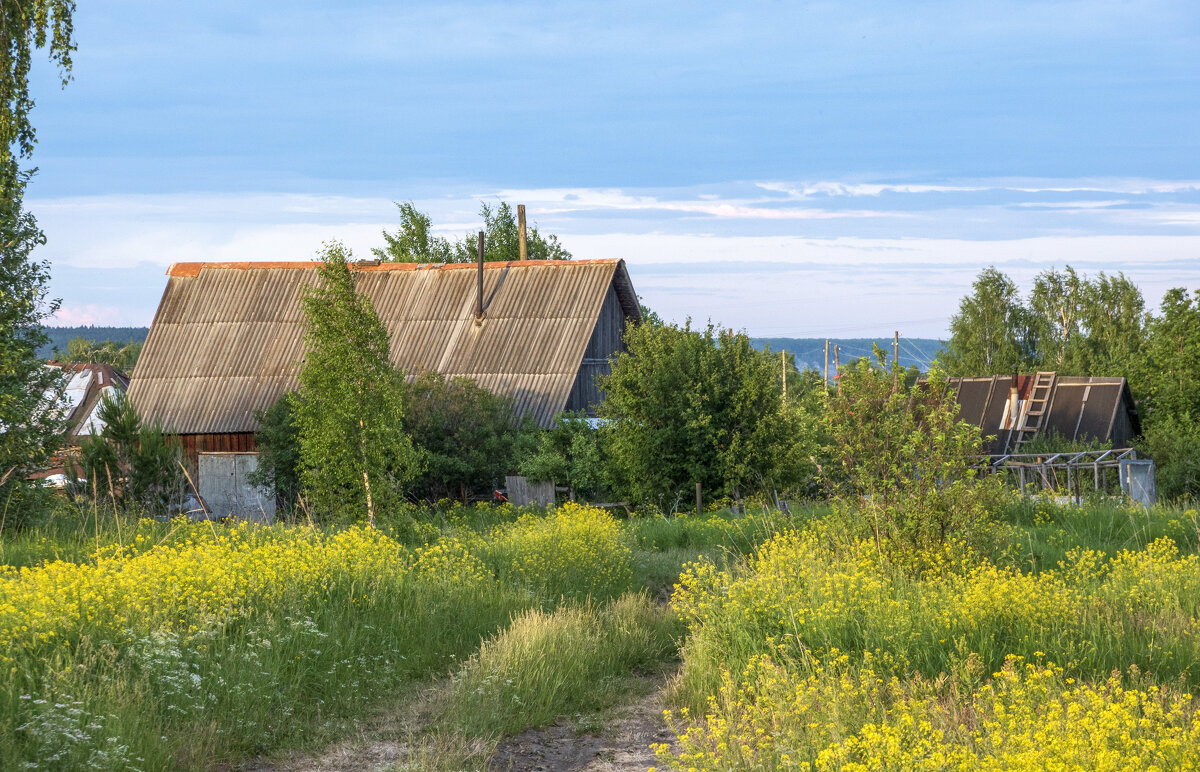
(767, 256)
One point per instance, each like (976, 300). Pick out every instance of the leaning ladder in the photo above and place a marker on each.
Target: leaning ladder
(1035, 415)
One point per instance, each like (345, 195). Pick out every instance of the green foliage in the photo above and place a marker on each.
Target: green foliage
(903, 465)
(1072, 324)
(278, 444)
(122, 355)
(687, 406)
(29, 393)
(991, 331)
(354, 454)
(550, 664)
(1173, 441)
(412, 242)
(569, 453)
(132, 463)
(470, 437)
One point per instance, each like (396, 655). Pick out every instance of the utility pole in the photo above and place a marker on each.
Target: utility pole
(837, 367)
(521, 232)
(827, 364)
(896, 360)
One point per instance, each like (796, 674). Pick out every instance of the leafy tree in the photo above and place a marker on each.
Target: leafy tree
(412, 242)
(687, 406)
(119, 354)
(469, 436)
(1170, 404)
(278, 444)
(1171, 378)
(569, 453)
(991, 333)
(354, 454)
(1056, 304)
(903, 469)
(29, 425)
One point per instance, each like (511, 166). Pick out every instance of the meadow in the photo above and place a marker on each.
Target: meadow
(1069, 640)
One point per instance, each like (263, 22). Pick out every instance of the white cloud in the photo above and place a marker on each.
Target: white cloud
(734, 251)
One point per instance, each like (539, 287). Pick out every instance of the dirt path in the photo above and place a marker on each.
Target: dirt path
(617, 740)
(621, 744)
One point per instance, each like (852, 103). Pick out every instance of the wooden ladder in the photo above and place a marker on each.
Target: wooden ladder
(1035, 415)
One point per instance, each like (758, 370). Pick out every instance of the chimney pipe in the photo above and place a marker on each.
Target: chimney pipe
(521, 232)
(479, 288)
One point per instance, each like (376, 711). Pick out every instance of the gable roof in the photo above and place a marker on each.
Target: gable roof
(228, 338)
(86, 383)
(1079, 408)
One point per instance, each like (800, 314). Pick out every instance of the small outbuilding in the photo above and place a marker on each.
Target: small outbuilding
(228, 338)
(1014, 409)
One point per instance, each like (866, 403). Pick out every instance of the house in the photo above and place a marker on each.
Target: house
(1015, 409)
(228, 338)
(87, 383)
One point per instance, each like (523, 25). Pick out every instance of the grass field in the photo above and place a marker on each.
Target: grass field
(1071, 641)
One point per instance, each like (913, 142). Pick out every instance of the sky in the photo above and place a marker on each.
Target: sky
(787, 168)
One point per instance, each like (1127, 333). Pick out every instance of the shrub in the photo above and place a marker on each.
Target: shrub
(687, 406)
(577, 551)
(470, 436)
(569, 453)
(904, 469)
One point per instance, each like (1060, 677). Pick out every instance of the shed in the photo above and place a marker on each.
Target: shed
(86, 384)
(1016, 408)
(228, 338)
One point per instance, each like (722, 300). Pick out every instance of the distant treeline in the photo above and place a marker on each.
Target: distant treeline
(810, 352)
(60, 336)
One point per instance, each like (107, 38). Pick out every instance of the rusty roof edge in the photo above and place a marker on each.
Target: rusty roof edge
(193, 269)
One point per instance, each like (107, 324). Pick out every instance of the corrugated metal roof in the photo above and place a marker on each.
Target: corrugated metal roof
(228, 338)
(1079, 408)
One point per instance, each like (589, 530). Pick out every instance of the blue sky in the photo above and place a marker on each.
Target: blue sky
(787, 168)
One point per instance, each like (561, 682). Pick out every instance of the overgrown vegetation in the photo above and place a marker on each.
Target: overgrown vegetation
(688, 406)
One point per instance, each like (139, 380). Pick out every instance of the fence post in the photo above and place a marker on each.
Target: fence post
(699, 501)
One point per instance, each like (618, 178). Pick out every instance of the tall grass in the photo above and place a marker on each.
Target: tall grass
(177, 645)
(547, 664)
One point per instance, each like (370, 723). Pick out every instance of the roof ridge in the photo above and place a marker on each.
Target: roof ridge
(194, 268)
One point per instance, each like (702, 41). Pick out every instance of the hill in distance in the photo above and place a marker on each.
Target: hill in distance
(60, 335)
(810, 352)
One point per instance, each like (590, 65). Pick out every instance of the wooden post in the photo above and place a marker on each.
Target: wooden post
(699, 501)
(479, 292)
(521, 232)
(896, 349)
(827, 364)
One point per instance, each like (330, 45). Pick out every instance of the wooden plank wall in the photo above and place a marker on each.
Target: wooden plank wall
(195, 444)
(607, 339)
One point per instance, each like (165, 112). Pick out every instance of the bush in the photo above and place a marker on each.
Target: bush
(1174, 444)
(569, 453)
(687, 406)
(470, 437)
(903, 466)
(577, 551)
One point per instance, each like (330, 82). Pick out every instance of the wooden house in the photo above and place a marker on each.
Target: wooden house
(228, 338)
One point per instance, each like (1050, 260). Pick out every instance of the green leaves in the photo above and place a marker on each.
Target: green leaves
(413, 243)
(903, 464)
(354, 454)
(687, 406)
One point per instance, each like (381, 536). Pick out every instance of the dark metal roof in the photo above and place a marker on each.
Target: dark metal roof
(228, 338)
(1080, 408)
